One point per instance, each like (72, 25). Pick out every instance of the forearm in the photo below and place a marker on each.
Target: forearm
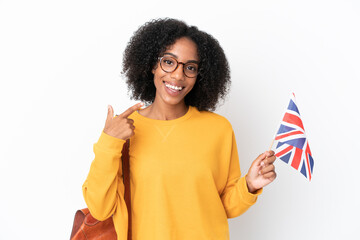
(100, 189)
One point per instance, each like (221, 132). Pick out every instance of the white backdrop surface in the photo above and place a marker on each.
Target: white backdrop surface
(60, 64)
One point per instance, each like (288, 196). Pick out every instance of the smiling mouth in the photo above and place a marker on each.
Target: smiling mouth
(172, 87)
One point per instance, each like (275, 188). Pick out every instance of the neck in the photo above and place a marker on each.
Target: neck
(160, 111)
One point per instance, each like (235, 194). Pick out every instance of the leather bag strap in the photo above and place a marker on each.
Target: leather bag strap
(126, 178)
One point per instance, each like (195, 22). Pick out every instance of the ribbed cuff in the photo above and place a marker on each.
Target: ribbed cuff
(110, 143)
(250, 198)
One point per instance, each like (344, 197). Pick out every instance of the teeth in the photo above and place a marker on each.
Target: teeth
(173, 87)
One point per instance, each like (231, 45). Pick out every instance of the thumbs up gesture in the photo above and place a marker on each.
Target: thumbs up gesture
(121, 126)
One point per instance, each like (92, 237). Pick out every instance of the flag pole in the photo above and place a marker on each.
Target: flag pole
(272, 142)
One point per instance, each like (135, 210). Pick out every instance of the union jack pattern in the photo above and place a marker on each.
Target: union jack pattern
(292, 144)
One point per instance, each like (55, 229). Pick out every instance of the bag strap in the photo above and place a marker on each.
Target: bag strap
(126, 179)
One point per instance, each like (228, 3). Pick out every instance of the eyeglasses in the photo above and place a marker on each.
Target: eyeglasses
(169, 64)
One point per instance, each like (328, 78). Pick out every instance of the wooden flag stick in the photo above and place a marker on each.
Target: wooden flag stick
(272, 142)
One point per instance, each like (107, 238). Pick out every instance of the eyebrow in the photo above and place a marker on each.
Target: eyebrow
(190, 61)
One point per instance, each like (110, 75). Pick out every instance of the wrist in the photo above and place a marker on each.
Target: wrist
(249, 185)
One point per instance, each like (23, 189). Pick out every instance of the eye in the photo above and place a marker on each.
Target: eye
(168, 61)
(191, 67)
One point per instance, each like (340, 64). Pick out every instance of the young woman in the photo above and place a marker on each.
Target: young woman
(185, 173)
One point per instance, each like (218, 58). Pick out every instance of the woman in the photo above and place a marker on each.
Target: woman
(185, 174)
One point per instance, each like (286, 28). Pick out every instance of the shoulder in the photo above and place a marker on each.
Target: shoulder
(212, 119)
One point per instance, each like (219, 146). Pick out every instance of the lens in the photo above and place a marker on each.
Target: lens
(168, 64)
(191, 69)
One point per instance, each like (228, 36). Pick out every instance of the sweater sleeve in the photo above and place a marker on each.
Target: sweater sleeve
(100, 188)
(236, 197)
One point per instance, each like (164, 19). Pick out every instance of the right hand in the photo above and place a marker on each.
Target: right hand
(120, 127)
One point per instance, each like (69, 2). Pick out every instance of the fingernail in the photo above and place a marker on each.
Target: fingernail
(141, 104)
(262, 164)
(259, 172)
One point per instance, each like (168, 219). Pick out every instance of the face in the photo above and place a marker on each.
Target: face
(172, 87)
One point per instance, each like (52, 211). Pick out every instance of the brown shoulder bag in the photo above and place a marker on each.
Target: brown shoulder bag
(86, 227)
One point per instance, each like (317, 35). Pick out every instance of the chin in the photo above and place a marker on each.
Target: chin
(174, 102)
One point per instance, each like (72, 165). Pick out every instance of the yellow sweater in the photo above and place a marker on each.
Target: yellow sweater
(184, 174)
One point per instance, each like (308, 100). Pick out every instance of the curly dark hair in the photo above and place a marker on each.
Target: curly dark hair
(151, 40)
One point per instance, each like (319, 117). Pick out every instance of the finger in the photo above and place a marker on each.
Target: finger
(269, 153)
(132, 133)
(268, 160)
(259, 159)
(270, 175)
(110, 113)
(129, 133)
(131, 110)
(267, 169)
(129, 120)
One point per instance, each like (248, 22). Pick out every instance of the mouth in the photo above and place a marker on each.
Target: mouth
(172, 87)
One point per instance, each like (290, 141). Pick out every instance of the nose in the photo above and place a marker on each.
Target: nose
(178, 73)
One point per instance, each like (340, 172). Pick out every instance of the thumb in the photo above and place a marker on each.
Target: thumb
(110, 113)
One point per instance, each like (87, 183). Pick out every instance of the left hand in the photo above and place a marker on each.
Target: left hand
(261, 172)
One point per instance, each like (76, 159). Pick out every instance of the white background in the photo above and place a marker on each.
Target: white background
(60, 64)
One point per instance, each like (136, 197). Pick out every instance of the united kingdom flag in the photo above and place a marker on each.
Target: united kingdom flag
(292, 144)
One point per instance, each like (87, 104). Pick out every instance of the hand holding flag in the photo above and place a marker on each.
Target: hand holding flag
(261, 172)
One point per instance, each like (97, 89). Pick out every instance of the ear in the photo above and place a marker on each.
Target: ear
(154, 69)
